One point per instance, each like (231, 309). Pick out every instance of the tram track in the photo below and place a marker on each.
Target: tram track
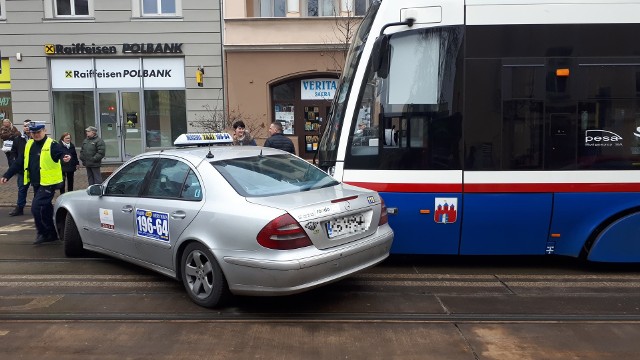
(216, 316)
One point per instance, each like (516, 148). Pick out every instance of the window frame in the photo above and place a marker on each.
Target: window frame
(258, 9)
(116, 179)
(137, 10)
(3, 10)
(336, 8)
(367, 4)
(155, 176)
(50, 11)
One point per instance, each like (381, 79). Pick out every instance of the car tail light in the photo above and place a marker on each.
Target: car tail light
(283, 233)
(384, 218)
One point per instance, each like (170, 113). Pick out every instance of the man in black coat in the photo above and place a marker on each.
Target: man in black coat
(277, 140)
(17, 150)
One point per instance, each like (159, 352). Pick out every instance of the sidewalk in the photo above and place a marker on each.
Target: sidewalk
(9, 191)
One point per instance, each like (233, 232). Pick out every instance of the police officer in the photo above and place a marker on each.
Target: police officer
(40, 163)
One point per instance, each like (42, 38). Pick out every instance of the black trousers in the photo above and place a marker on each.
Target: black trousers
(42, 209)
(67, 179)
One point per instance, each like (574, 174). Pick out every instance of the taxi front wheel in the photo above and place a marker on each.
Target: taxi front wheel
(202, 276)
(71, 238)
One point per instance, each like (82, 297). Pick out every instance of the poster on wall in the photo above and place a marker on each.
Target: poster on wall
(284, 115)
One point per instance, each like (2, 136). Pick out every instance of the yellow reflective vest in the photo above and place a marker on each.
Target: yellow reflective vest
(50, 171)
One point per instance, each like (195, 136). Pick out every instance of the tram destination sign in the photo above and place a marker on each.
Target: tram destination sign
(125, 48)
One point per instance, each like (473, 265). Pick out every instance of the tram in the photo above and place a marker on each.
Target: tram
(496, 127)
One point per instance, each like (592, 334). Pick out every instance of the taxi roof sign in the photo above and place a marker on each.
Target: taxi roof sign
(203, 139)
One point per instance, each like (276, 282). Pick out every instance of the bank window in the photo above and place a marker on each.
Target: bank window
(271, 8)
(166, 116)
(73, 111)
(72, 7)
(322, 8)
(68, 9)
(159, 8)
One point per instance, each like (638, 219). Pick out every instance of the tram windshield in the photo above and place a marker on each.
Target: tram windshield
(328, 147)
(411, 119)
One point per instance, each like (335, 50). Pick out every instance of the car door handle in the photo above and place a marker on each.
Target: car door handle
(127, 209)
(178, 215)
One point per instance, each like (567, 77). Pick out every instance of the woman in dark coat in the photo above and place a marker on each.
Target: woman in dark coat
(70, 167)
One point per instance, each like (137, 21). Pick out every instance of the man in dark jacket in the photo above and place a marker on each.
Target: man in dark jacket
(91, 154)
(277, 140)
(40, 164)
(17, 150)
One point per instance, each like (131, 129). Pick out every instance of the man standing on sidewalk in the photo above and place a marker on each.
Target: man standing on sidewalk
(40, 163)
(17, 150)
(91, 154)
(277, 139)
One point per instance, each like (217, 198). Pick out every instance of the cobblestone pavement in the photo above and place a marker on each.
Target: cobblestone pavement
(9, 191)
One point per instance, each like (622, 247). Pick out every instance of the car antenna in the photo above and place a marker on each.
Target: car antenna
(209, 154)
(260, 153)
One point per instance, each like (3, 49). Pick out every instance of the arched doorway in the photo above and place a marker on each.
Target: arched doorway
(301, 105)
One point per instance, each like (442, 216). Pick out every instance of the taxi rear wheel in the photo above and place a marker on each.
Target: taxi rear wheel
(71, 238)
(202, 276)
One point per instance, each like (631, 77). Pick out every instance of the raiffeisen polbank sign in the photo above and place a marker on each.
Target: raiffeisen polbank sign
(125, 48)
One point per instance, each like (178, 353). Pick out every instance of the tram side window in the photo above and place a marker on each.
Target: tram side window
(410, 120)
(608, 120)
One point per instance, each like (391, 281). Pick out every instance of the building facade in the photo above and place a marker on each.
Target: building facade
(282, 63)
(127, 67)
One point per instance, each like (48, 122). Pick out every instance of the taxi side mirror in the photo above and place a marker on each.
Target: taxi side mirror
(95, 190)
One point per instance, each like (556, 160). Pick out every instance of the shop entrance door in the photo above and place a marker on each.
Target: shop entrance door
(120, 124)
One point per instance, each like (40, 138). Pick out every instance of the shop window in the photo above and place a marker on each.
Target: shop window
(271, 8)
(5, 105)
(73, 111)
(166, 116)
(152, 8)
(283, 97)
(68, 9)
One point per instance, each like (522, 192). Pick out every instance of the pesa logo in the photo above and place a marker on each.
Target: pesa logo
(602, 138)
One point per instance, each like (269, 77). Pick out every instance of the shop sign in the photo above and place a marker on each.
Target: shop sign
(125, 48)
(117, 73)
(318, 89)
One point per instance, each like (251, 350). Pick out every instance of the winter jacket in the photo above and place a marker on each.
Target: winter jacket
(34, 161)
(246, 140)
(8, 133)
(71, 165)
(279, 141)
(92, 152)
(19, 143)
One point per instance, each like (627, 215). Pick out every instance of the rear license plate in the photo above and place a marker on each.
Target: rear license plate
(348, 225)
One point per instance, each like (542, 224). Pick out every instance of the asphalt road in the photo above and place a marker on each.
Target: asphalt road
(52, 307)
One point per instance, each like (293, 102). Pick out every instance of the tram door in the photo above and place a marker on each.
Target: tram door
(120, 124)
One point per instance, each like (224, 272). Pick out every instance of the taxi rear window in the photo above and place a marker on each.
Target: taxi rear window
(259, 176)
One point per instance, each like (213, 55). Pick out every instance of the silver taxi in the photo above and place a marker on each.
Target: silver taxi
(228, 220)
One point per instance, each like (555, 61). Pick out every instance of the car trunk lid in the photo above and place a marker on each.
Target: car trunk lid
(330, 216)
